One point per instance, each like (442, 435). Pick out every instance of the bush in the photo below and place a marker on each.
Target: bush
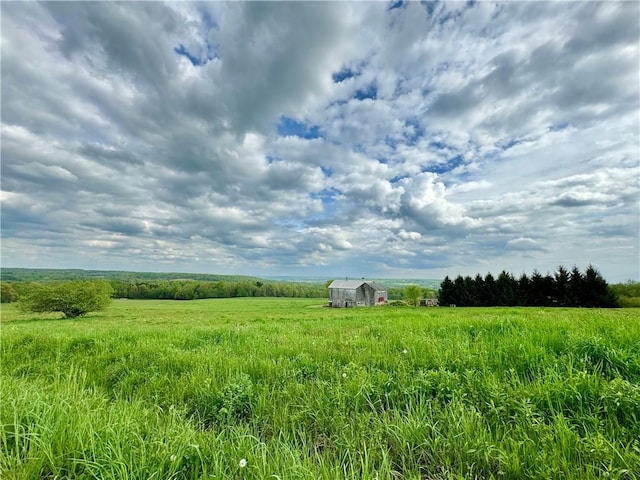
(412, 293)
(73, 299)
(8, 294)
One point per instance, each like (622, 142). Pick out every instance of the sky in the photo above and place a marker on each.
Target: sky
(364, 139)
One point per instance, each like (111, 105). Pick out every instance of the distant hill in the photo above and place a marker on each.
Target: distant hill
(52, 275)
(432, 283)
(387, 282)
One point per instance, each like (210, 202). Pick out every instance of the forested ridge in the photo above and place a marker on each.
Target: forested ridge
(55, 274)
(161, 285)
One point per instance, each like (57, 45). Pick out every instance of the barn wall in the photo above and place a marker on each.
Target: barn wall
(338, 296)
(364, 295)
(380, 294)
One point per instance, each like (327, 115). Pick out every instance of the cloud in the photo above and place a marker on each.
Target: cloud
(523, 244)
(321, 138)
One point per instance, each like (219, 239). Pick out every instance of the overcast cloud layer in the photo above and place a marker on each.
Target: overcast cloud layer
(361, 139)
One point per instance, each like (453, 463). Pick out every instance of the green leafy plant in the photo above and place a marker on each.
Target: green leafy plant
(413, 293)
(73, 299)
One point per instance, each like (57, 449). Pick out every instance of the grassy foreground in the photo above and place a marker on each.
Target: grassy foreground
(172, 390)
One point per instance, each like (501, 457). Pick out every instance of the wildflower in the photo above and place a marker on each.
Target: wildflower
(344, 375)
(243, 462)
(405, 351)
(173, 458)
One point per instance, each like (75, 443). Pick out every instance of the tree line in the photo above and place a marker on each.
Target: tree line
(563, 288)
(628, 293)
(173, 289)
(193, 290)
(45, 275)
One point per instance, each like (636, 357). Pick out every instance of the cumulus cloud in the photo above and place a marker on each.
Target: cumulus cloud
(321, 138)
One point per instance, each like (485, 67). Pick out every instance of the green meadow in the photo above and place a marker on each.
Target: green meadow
(193, 390)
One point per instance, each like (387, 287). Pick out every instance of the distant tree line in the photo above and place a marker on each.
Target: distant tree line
(628, 293)
(182, 289)
(45, 275)
(562, 289)
(192, 290)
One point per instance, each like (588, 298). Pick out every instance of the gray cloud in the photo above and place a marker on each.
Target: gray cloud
(462, 138)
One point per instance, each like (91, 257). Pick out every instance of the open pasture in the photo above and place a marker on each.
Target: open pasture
(172, 390)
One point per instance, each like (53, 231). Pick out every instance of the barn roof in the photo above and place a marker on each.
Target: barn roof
(353, 284)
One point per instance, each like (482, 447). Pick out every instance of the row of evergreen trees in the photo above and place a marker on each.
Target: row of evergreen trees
(562, 289)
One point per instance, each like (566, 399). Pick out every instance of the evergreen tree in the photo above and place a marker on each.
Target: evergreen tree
(471, 297)
(461, 296)
(523, 290)
(596, 291)
(575, 293)
(561, 287)
(505, 289)
(548, 289)
(446, 294)
(537, 294)
(489, 291)
(479, 288)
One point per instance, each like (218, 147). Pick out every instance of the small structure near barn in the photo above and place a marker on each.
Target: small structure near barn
(429, 302)
(356, 293)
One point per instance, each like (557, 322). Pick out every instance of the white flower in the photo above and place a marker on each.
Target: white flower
(243, 462)
(405, 351)
(173, 458)
(344, 375)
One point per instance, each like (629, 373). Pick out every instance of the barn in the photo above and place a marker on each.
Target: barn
(356, 293)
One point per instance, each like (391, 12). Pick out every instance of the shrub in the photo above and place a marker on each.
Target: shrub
(73, 299)
(8, 294)
(412, 293)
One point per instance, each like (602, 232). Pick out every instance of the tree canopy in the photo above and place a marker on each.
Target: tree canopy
(413, 293)
(8, 294)
(562, 289)
(73, 299)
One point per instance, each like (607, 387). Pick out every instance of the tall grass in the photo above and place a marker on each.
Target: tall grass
(153, 389)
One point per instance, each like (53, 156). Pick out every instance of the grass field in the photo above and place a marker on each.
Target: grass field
(166, 389)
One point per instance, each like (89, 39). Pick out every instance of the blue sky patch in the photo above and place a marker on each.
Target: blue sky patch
(196, 61)
(343, 75)
(329, 202)
(288, 127)
(430, 6)
(208, 20)
(445, 167)
(507, 144)
(438, 145)
(412, 138)
(326, 171)
(397, 178)
(398, 4)
(371, 92)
